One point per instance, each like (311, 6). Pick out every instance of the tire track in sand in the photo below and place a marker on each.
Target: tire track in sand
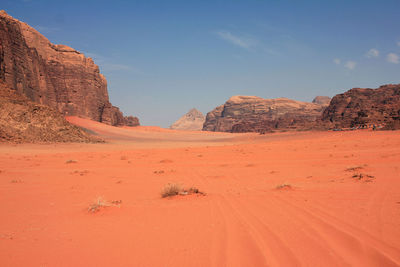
(354, 245)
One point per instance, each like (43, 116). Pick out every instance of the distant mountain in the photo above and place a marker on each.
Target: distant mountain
(256, 114)
(191, 121)
(365, 106)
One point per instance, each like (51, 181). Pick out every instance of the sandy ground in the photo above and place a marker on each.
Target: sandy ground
(285, 199)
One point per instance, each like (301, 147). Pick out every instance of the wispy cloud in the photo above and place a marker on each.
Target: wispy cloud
(236, 40)
(337, 61)
(350, 65)
(372, 53)
(393, 58)
(106, 64)
(398, 43)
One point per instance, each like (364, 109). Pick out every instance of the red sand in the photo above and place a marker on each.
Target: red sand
(325, 217)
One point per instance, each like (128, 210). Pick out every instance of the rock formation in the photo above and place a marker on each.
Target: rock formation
(191, 121)
(363, 107)
(255, 114)
(54, 75)
(322, 100)
(22, 120)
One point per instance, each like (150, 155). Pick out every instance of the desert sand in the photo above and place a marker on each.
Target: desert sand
(283, 199)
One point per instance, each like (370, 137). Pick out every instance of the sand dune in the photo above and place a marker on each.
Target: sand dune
(285, 199)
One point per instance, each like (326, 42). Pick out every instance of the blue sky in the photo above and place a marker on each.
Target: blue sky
(162, 58)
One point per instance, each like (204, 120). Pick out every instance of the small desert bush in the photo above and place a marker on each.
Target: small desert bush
(193, 190)
(283, 186)
(71, 161)
(171, 190)
(100, 203)
(356, 168)
(361, 176)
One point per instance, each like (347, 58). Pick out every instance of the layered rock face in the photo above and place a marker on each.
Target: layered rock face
(22, 120)
(255, 114)
(363, 107)
(54, 75)
(191, 121)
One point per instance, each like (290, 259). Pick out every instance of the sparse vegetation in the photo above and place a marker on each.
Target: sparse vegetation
(356, 168)
(71, 161)
(361, 176)
(171, 190)
(100, 203)
(283, 186)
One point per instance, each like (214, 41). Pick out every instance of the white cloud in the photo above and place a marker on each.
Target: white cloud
(337, 61)
(236, 40)
(393, 58)
(372, 53)
(350, 65)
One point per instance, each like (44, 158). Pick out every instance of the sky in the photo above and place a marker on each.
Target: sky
(162, 58)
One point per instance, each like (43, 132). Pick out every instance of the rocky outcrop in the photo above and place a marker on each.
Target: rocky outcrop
(191, 121)
(54, 75)
(22, 120)
(322, 100)
(365, 107)
(255, 114)
(131, 121)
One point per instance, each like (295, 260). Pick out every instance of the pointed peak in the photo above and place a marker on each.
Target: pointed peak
(194, 111)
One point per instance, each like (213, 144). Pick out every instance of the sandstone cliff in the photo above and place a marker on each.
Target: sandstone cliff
(22, 120)
(363, 107)
(191, 121)
(255, 114)
(54, 75)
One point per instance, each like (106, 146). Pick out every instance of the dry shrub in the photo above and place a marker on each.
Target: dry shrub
(100, 203)
(283, 186)
(171, 190)
(356, 168)
(361, 176)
